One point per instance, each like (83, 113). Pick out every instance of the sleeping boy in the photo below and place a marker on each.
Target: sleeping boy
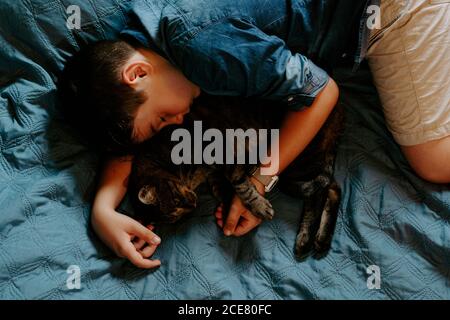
(278, 50)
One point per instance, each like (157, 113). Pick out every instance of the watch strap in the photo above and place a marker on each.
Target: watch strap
(268, 181)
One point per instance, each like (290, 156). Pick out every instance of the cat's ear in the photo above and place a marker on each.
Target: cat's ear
(147, 195)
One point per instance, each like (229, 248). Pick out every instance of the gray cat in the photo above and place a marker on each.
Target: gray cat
(163, 192)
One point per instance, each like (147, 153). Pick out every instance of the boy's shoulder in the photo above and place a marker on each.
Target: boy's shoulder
(183, 19)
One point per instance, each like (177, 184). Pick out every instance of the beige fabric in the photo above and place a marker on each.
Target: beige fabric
(410, 61)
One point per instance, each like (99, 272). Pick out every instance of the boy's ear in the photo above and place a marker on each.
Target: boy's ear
(134, 72)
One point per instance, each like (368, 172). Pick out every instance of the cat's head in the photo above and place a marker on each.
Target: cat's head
(165, 197)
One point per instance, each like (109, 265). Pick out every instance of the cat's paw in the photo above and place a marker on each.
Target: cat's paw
(303, 245)
(262, 208)
(322, 243)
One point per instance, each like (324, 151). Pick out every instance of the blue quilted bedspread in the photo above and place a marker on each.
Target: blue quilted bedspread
(388, 218)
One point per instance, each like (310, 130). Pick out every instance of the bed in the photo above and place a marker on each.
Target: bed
(389, 220)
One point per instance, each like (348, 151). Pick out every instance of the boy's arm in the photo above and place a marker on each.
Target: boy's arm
(297, 131)
(300, 127)
(116, 230)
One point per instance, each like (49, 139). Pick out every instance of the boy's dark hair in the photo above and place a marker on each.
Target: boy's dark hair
(95, 100)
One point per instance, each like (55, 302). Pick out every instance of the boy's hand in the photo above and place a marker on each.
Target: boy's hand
(127, 237)
(240, 220)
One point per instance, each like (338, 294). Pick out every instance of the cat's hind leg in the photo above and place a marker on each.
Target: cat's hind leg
(328, 220)
(318, 221)
(309, 224)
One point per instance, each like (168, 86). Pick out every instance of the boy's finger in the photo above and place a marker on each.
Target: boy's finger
(145, 234)
(232, 220)
(129, 251)
(148, 251)
(244, 227)
(248, 223)
(150, 227)
(139, 244)
(139, 261)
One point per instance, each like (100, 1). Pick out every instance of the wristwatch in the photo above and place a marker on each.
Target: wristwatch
(269, 182)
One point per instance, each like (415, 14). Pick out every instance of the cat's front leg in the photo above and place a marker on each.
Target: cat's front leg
(249, 195)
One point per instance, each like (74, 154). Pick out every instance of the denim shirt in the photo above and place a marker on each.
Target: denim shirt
(253, 48)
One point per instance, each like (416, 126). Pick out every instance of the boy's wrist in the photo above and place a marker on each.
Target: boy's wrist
(98, 212)
(258, 185)
(266, 181)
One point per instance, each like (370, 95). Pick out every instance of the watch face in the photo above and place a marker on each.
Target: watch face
(272, 184)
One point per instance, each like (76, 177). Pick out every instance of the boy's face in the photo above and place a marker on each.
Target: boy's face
(169, 93)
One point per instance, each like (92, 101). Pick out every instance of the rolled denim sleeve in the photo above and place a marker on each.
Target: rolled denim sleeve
(233, 57)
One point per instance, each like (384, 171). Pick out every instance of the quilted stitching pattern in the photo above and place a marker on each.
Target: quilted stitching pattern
(388, 216)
